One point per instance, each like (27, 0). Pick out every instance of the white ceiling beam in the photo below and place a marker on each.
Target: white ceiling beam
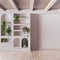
(13, 4)
(31, 4)
(50, 4)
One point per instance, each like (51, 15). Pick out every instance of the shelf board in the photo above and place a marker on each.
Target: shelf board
(17, 30)
(6, 36)
(18, 24)
(25, 48)
(17, 47)
(21, 18)
(15, 36)
(21, 24)
(21, 48)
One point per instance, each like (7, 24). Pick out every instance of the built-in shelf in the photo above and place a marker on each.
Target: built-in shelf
(16, 23)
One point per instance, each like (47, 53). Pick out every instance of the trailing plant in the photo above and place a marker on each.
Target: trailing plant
(24, 42)
(9, 30)
(25, 29)
(3, 27)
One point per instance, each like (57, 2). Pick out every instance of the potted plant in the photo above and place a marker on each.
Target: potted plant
(16, 19)
(3, 28)
(24, 42)
(9, 31)
(26, 30)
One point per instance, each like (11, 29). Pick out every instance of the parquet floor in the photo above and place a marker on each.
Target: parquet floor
(33, 55)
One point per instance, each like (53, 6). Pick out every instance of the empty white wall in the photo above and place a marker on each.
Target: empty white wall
(45, 31)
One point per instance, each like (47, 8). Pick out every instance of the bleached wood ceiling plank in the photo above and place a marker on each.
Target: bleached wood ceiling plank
(13, 4)
(50, 4)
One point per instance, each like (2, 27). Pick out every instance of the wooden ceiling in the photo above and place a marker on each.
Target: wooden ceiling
(40, 4)
(25, 4)
(4, 4)
(22, 4)
(56, 5)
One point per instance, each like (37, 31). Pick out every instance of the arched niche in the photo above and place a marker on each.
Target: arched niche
(24, 42)
(16, 42)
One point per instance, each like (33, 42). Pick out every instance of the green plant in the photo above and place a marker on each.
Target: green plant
(3, 27)
(4, 40)
(9, 30)
(24, 42)
(26, 29)
(16, 18)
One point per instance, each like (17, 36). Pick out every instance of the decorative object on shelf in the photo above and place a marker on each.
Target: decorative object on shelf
(16, 19)
(3, 26)
(16, 42)
(26, 30)
(24, 42)
(4, 40)
(9, 31)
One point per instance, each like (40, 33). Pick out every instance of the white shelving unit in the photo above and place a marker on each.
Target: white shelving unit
(18, 40)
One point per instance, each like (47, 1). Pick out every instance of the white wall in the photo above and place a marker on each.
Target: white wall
(45, 31)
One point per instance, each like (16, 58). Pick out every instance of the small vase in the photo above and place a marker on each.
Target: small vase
(25, 34)
(24, 46)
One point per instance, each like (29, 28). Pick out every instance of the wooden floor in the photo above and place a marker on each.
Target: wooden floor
(33, 55)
